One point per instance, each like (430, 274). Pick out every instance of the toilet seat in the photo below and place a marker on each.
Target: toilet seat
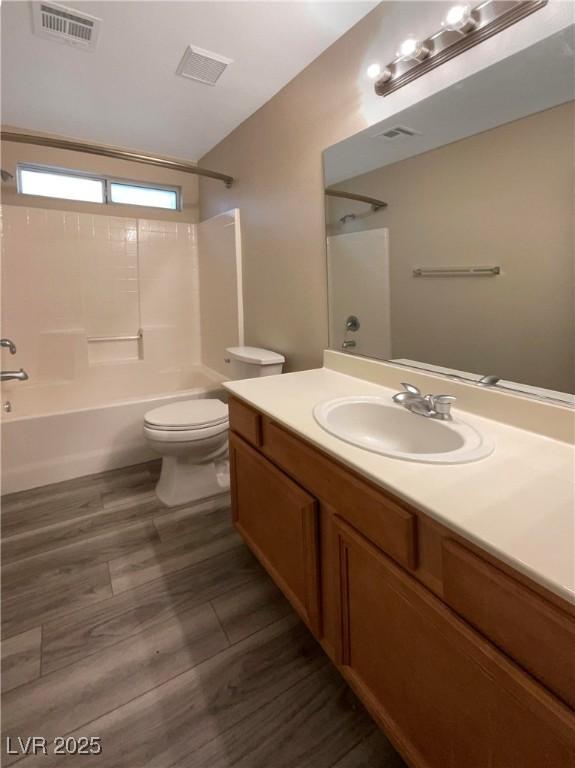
(205, 415)
(197, 434)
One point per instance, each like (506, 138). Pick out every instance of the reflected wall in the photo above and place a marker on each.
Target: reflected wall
(503, 197)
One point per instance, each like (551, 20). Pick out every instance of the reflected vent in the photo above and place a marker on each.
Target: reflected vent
(396, 133)
(65, 24)
(204, 66)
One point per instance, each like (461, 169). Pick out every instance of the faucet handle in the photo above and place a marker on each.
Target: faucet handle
(411, 388)
(488, 381)
(442, 403)
(10, 344)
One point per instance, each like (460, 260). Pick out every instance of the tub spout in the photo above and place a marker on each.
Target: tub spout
(20, 375)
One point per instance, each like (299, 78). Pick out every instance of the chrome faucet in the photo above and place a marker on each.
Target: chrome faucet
(488, 381)
(348, 343)
(430, 406)
(20, 375)
(10, 344)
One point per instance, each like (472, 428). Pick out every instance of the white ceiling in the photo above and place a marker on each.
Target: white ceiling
(126, 91)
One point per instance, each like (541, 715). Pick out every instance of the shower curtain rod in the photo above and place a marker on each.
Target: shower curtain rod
(117, 154)
(373, 201)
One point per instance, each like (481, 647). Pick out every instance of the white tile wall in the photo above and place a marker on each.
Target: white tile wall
(169, 291)
(221, 308)
(67, 276)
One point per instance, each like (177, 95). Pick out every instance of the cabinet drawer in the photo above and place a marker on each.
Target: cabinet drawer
(449, 698)
(390, 526)
(245, 421)
(279, 522)
(539, 636)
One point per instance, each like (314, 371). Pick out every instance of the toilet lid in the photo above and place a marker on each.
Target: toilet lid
(189, 414)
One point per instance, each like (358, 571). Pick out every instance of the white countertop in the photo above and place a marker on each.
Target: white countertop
(518, 504)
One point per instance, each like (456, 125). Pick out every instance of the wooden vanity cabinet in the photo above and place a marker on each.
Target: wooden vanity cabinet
(534, 632)
(391, 526)
(246, 422)
(279, 521)
(438, 688)
(462, 664)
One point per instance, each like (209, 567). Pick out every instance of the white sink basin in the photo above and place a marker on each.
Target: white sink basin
(381, 426)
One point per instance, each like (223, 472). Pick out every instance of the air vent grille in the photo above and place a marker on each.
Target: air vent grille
(65, 24)
(397, 132)
(203, 66)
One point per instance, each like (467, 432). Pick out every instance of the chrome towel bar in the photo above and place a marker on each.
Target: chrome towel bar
(116, 338)
(456, 271)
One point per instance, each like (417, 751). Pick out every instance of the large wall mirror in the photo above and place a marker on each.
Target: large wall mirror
(460, 259)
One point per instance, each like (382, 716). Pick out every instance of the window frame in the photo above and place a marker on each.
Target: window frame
(106, 182)
(49, 169)
(109, 180)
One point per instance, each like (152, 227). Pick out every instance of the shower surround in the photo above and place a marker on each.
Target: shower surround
(69, 278)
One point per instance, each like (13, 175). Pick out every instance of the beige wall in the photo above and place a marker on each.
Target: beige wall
(13, 153)
(275, 156)
(504, 197)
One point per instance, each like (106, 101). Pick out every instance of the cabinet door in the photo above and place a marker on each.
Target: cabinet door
(445, 696)
(279, 522)
(514, 618)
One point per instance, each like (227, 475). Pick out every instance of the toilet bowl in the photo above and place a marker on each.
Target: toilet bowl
(192, 435)
(192, 438)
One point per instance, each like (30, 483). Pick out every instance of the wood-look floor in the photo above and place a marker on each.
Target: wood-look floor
(157, 631)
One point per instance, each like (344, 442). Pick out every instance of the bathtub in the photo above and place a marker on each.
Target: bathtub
(52, 434)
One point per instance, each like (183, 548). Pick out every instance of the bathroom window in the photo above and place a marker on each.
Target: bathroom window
(140, 194)
(70, 185)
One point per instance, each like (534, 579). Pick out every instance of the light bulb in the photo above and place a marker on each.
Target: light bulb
(459, 19)
(373, 71)
(408, 47)
(413, 49)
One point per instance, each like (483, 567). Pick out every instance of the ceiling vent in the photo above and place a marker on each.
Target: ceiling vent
(204, 66)
(396, 133)
(65, 24)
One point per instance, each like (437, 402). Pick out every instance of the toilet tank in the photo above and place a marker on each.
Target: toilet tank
(251, 362)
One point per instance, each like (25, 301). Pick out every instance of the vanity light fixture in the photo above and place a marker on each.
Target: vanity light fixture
(463, 27)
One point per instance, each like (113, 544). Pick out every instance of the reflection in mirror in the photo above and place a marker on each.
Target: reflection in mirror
(469, 269)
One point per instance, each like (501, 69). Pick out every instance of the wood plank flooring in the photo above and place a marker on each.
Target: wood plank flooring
(156, 630)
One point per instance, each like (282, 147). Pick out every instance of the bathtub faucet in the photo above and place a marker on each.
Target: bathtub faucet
(20, 375)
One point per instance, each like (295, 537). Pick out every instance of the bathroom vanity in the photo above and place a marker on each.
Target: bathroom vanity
(459, 643)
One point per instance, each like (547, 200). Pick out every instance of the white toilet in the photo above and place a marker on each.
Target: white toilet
(192, 435)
